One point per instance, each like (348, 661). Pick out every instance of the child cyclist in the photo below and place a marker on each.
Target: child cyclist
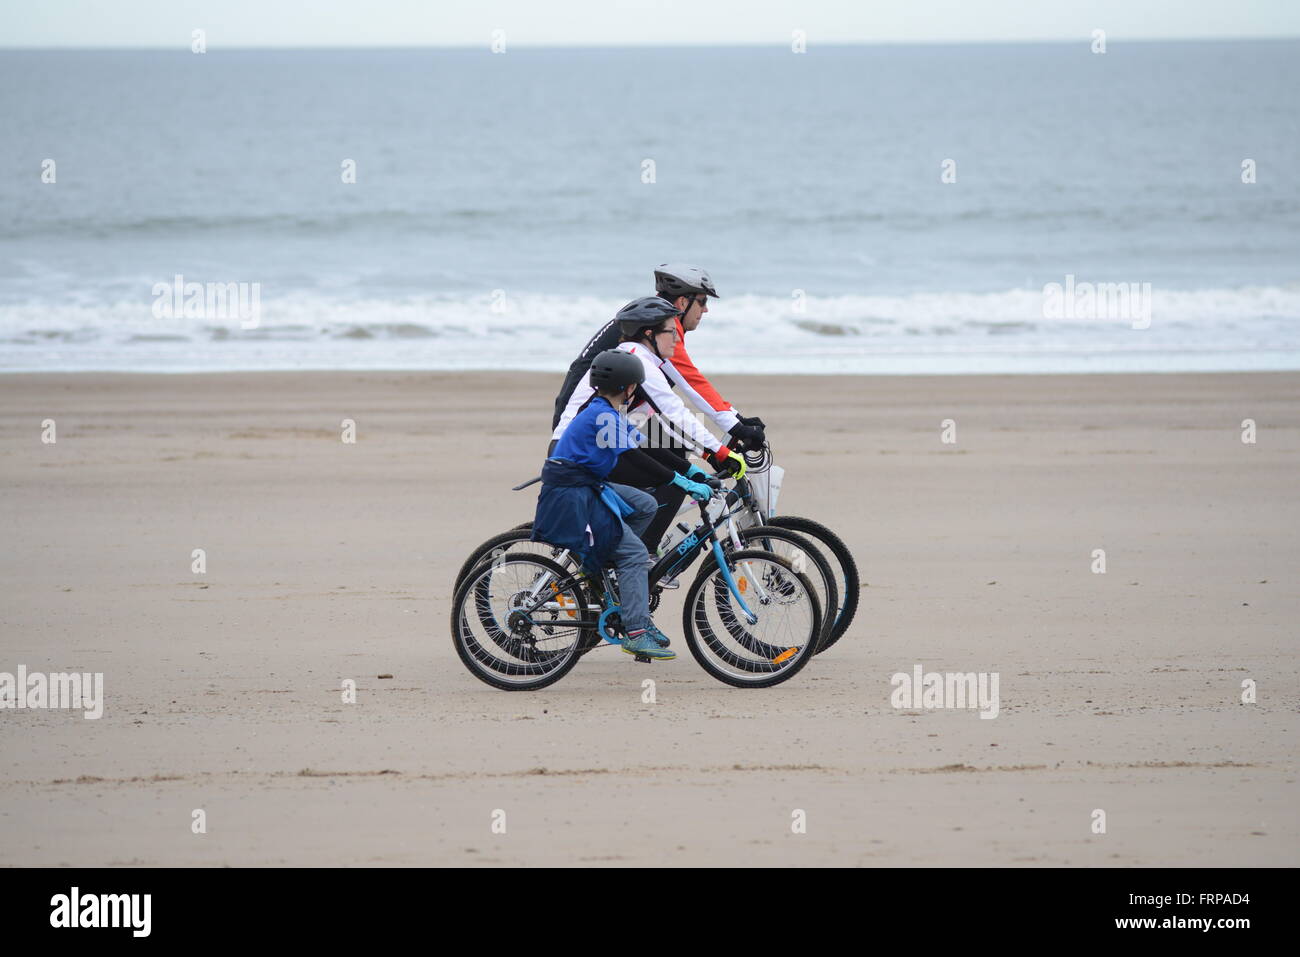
(575, 496)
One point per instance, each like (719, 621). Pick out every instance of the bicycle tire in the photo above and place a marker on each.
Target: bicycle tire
(465, 642)
(850, 590)
(696, 641)
(482, 552)
(751, 537)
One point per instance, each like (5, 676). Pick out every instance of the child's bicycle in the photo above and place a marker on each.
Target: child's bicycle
(521, 620)
(750, 523)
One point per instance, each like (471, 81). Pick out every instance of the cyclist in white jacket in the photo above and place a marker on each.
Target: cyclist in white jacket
(689, 288)
(642, 324)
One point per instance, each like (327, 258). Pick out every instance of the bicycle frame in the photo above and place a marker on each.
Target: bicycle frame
(673, 563)
(744, 511)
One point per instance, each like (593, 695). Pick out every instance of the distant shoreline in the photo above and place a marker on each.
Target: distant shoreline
(780, 45)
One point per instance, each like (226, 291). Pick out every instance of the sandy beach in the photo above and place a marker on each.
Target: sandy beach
(327, 561)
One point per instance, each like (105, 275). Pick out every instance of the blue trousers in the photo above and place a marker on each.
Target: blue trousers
(632, 559)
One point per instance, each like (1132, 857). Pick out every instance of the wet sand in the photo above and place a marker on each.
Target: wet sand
(328, 561)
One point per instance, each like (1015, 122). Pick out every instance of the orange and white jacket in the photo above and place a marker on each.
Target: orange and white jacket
(660, 377)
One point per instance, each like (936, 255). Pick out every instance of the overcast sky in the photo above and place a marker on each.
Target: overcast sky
(307, 23)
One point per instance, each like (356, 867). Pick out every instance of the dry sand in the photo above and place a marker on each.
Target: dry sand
(327, 561)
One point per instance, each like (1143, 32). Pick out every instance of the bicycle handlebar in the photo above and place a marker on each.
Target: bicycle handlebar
(726, 470)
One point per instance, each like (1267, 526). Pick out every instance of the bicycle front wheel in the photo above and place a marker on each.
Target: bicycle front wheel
(758, 653)
(846, 573)
(806, 558)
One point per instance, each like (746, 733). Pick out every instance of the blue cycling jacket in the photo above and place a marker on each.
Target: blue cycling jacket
(573, 496)
(571, 501)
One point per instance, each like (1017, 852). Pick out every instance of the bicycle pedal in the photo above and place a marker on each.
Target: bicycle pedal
(642, 658)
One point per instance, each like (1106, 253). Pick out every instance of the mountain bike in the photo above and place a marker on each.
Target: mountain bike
(520, 620)
(810, 545)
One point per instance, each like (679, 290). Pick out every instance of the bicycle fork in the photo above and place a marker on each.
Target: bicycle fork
(731, 583)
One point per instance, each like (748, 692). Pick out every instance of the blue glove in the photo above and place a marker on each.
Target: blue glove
(697, 490)
(695, 473)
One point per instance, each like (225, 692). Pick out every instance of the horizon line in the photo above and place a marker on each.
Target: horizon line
(1081, 39)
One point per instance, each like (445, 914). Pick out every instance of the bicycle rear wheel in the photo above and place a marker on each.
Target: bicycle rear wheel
(760, 653)
(517, 539)
(516, 625)
(845, 568)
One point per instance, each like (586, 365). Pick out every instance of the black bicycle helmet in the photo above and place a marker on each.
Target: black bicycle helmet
(644, 313)
(615, 369)
(673, 280)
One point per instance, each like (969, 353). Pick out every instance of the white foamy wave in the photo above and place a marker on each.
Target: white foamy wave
(1015, 330)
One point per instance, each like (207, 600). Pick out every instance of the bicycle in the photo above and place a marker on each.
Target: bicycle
(798, 549)
(520, 621)
(761, 511)
(808, 543)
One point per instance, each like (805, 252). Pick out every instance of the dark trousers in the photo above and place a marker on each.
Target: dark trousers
(669, 497)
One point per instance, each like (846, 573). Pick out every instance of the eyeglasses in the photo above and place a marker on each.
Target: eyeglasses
(701, 300)
(666, 332)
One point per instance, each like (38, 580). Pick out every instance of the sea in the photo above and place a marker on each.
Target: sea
(1018, 208)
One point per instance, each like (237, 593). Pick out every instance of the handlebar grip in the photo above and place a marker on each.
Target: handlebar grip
(726, 469)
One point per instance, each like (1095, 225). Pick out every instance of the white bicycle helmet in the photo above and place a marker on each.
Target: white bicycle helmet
(675, 279)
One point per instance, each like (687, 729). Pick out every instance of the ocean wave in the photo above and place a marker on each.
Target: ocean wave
(506, 314)
(391, 330)
(431, 220)
(746, 332)
(187, 224)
